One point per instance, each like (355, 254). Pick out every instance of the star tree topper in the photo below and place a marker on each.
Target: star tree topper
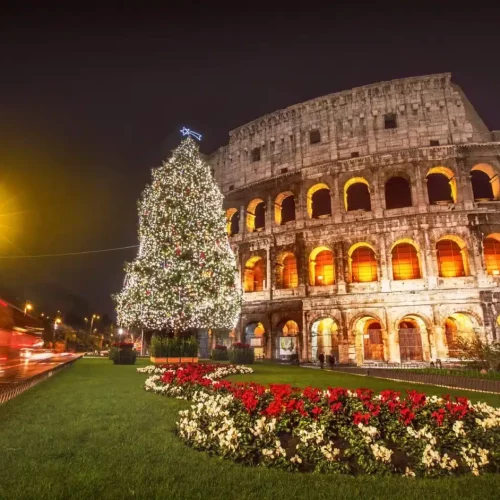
(186, 132)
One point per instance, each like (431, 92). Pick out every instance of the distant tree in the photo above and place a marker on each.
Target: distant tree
(484, 354)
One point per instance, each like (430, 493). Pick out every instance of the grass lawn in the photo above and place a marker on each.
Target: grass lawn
(91, 432)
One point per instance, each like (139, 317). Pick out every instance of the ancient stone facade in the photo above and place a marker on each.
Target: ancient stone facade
(366, 224)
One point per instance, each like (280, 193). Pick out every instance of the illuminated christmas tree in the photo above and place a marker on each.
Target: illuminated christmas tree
(184, 275)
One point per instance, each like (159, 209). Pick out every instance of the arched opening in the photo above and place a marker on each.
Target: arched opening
(491, 246)
(452, 257)
(254, 275)
(397, 193)
(284, 208)
(232, 221)
(410, 340)
(319, 202)
(325, 339)
(321, 267)
(458, 326)
(441, 186)
(405, 262)
(369, 340)
(288, 276)
(363, 263)
(255, 337)
(288, 341)
(485, 182)
(357, 195)
(256, 215)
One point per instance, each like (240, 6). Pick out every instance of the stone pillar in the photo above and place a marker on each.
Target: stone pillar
(376, 197)
(243, 220)
(340, 268)
(464, 184)
(269, 214)
(338, 208)
(421, 199)
(269, 266)
(306, 338)
(385, 284)
(438, 345)
(393, 339)
(427, 259)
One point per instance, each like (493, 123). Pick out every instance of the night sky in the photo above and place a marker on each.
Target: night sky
(90, 101)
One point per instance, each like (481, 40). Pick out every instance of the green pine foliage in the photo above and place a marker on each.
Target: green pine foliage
(184, 275)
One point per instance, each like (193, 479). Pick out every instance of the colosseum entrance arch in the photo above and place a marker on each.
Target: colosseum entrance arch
(413, 339)
(255, 337)
(369, 340)
(287, 342)
(459, 326)
(325, 338)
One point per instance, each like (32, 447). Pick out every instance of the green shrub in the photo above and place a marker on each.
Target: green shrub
(220, 353)
(166, 347)
(123, 354)
(241, 354)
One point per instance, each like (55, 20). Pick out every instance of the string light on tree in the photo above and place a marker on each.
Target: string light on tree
(184, 275)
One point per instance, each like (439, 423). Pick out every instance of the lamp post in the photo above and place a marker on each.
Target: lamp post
(28, 307)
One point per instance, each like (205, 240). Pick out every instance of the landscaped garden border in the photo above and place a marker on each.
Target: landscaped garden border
(337, 430)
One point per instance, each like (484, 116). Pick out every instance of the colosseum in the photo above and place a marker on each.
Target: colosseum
(366, 224)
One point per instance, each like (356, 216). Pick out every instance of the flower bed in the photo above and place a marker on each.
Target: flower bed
(333, 430)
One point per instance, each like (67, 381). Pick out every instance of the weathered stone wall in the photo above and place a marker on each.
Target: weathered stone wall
(426, 108)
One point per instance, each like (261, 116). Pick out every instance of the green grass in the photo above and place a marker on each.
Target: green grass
(458, 372)
(91, 432)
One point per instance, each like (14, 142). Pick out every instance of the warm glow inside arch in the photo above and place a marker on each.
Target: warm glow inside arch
(352, 182)
(450, 175)
(290, 329)
(282, 212)
(256, 215)
(254, 275)
(232, 223)
(452, 257)
(491, 246)
(405, 261)
(494, 181)
(287, 271)
(311, 212)
(321, 271)
(362, 263)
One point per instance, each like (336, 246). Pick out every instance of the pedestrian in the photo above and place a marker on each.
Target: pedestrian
(321, 358)
(332, 360)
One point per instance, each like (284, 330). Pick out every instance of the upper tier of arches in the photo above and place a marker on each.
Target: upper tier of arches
(365, 194)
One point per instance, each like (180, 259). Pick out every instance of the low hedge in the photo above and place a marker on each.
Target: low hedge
(220, 353)
(241, 354)
(167, 347)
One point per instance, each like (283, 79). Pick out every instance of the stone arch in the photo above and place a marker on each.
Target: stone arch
(254, 276)
(256, 215)
(414, 332)
(357, 194)
(284, 208)
(460, 325)
(321, 267)
(397, 190)
(370, 338)
(441, 185)
(452, 256)
(325, 338)
(288, 338)
(405, 260)
(485, 182)
(286, 270)
(319, 201)
(491, 249)
(255, 336)
(363, 266)
(232, 221)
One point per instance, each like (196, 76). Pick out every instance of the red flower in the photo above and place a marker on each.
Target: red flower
(389, 395)
(316, 411)
(312, 394)
(335, 394)
(274, 409)
(407, 416)
(417, 399)
(335, 407)
(364, 394)
(362, 418)
(439, 416)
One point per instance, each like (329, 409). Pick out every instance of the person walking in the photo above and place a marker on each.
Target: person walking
(321, 358)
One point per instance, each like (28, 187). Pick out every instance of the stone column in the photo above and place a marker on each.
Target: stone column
(339, 267)
(438, 344)
(306, 337)
(393, 339)
(269, 214)
(338, 208)
(269, 269)
(376, 197)
(421, 199)
(385, 284)
(243, 220)
(427, 261)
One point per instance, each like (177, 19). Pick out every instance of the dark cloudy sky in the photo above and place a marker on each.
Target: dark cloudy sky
(91, 100)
